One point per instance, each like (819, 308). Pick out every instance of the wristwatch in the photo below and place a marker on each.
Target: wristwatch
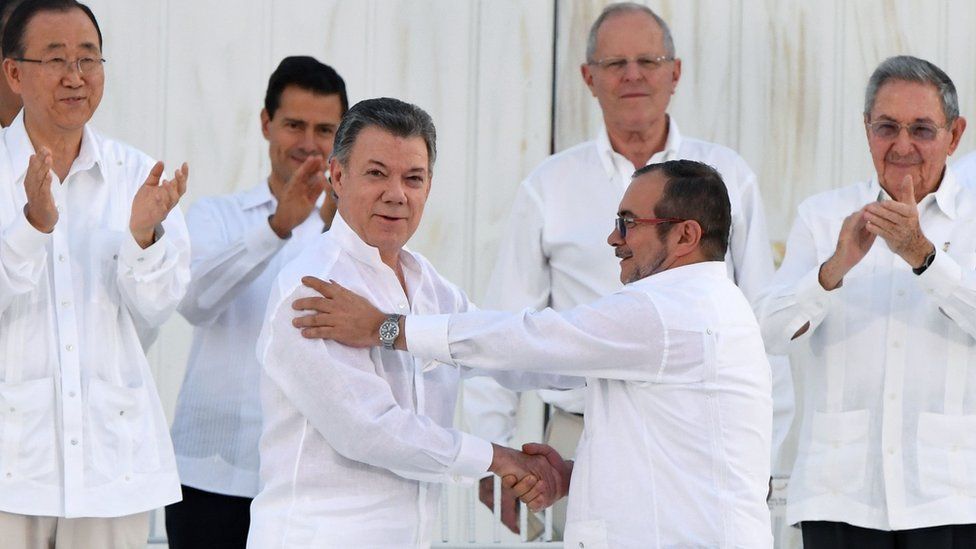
(389, 330)
(925, 263)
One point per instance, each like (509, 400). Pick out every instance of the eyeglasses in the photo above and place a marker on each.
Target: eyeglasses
(618, 65)
(624, 223)
(917, 131)
(60, 65)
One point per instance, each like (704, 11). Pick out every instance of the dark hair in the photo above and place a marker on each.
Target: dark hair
(395, 116)
(13, 41)
(308, 74)
(695, 191)
(7, 7)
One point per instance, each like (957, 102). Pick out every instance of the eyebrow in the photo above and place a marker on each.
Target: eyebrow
(89, 46)
(920, 119)
(625, 213)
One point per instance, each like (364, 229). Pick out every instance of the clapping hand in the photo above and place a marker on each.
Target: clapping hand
(896, 221)
(153, 202)
(296, 199)
(40, 209)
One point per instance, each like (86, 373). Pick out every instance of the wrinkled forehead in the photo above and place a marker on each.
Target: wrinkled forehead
(907, 101)
(629, 30)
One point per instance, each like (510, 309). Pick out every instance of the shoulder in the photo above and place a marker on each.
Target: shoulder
(570, 163)
(729, 163)
(834, 203)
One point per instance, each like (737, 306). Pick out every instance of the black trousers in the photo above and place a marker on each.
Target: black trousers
(204, 520)
(839, 535)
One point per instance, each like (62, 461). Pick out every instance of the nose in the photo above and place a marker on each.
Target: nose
(632, 70)
(902, 143)
(308, 144)
(614, 239)
(394, 193)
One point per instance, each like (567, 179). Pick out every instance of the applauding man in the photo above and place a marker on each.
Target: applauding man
(876, 304)
(94, 256)
(355, 442)
(240, 242)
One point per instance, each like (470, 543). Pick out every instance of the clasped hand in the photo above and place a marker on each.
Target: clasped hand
(153, 202)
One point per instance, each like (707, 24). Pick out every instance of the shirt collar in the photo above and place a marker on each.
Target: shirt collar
(945, 196)
(607, 154)
(711, 269)
(348, 240)
(257, 196)
(20, 148)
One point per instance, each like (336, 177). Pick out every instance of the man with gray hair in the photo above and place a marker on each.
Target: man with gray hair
(355, 443)
(877, 309)
(553, 253)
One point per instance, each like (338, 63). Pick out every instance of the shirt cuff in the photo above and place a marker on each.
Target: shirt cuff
(426, 337)
(813, 300)
(263, 240)
(143, 261)
(941, 277)
(26, 240)
(473, 459)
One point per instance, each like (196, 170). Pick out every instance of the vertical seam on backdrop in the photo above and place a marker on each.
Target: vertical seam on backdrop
(474, 101)
(735, 54)
(838, 148)
(554, 75)
(164, 78)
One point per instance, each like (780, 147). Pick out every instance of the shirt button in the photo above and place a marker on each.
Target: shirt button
(115, 256)
(69, 347)
(141, 259)
(74, 442)
(901, 293)
(708, 331)
(581, 546)
(128, 478)
(891, 451)
(61, 258)
(65, 303)
(71, 394)
(402, 306)
(12, 409)
(10, 475)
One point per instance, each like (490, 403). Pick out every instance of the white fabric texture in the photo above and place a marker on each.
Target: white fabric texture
(887, 435)
(355, 441)
(675, 447)
(82, 431)
(555, 254)
(236, 256)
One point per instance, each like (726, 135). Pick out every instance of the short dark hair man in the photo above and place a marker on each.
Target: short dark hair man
(94, 257)
(240, 242)
(679, 412)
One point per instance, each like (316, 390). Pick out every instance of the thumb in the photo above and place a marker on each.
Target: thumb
(906, 191)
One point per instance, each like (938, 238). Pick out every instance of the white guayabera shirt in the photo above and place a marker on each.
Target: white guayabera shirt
(675, 446)
(887, 434)
(82, 431)
(355, 441)
(236, 257)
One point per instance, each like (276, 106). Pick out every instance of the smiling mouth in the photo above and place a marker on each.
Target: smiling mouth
(388, 218)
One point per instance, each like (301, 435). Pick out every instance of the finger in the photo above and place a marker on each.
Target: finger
(886, 213)
(906, 191)
(508, 481)
(319, 285)
(154, 175)
(524, 486)
(311, 304)
(182, 176)
(307, 168)
(537, 448)
(321, 332)
(312, 321)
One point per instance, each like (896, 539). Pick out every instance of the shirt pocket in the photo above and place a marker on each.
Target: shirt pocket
(837, 457)
(587, 534)
(27, 439)
(121, 437)
(946, 454)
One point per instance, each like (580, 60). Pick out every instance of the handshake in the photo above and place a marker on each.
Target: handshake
(537, 475)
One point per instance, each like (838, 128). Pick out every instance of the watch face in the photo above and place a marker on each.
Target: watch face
(389, 330)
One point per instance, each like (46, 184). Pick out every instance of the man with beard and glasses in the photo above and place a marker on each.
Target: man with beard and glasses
(876, 304)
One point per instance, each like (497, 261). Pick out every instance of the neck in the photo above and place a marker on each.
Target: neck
(275, 184)
(64, 145)
(7, 114)
(392, 260)
(639, 145)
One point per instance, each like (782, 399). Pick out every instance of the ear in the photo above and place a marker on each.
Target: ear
(957, 129)
(675, 75)
(688, 237)
(587, 73)
(265, 124)
(12, 72)
(336, 173)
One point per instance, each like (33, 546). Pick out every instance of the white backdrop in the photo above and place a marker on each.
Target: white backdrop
(780, 81)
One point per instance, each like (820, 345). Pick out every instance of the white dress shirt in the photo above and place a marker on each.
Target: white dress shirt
(82, 431)
(555, 252)
(355, 441)
(675, 447)
(887, 432)
(236, 256)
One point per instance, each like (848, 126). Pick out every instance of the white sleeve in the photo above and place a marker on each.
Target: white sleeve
(625, 326)
(222, 268)
(23, 256)
(337, 389)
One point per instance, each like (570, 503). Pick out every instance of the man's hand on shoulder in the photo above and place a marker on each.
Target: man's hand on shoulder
(340, 315)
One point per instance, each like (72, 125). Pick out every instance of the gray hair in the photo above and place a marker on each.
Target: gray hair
(913, 69)
(397, 117)
(627, 7)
